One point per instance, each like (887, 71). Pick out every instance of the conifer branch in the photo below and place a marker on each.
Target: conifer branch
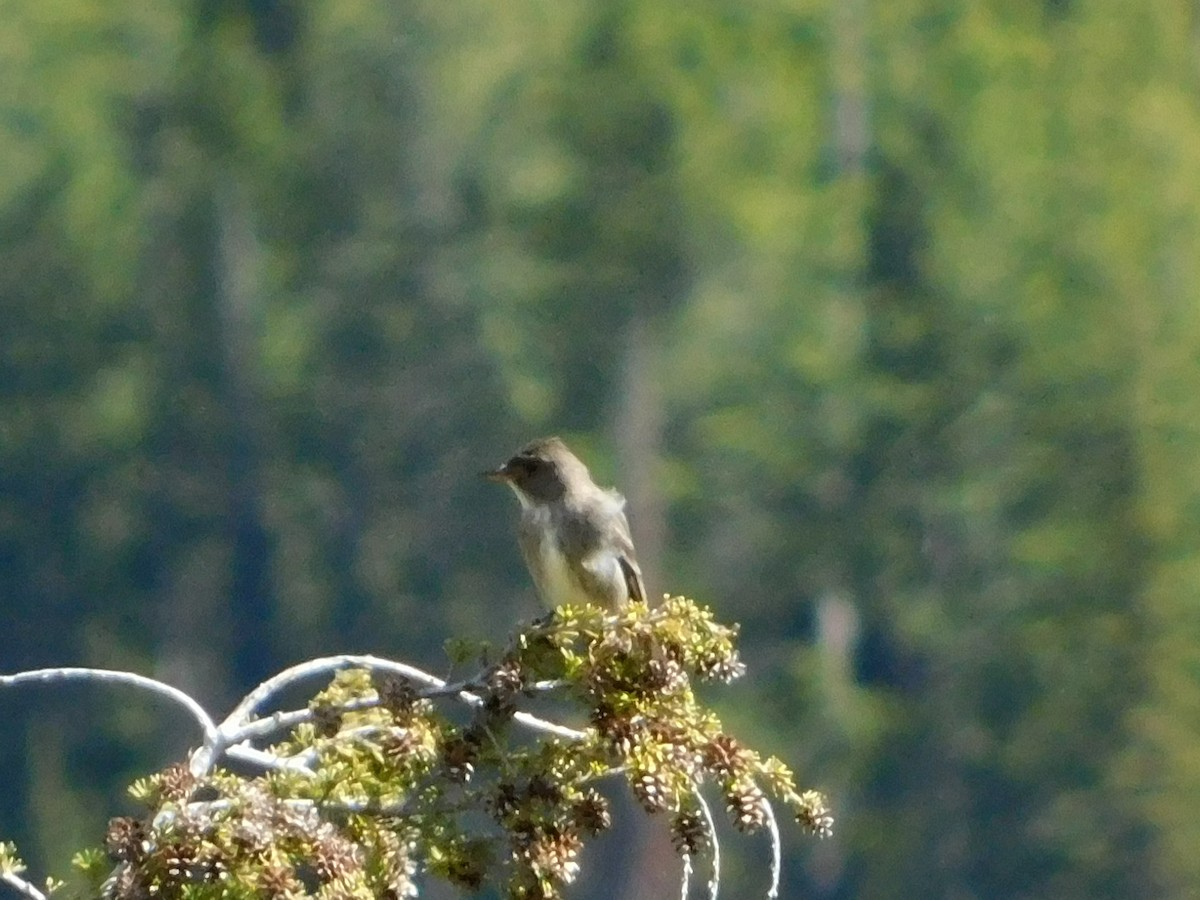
(371, 785)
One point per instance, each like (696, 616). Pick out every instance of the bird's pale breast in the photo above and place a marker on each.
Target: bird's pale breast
(594, 578)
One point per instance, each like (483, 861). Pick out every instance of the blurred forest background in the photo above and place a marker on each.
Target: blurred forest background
(884, 315)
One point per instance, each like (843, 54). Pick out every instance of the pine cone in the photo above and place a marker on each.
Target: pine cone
(689, 833)
(725, 757)
(590, 813)
(397, 695)
(747, 805)
(125, 839)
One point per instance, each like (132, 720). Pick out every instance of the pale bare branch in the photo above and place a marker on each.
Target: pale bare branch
(263, 759)
(714, 881)
(776, 850)
(238, 727)
(19, 884)
(114, 676)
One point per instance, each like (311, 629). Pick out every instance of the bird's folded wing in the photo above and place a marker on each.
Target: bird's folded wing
(633, 579)
(630, 570)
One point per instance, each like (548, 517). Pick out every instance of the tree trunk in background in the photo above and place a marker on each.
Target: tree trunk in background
(851, 72)
(213, 641)
(838, 621)
(639, 435)
(650, 866)
(239, 302)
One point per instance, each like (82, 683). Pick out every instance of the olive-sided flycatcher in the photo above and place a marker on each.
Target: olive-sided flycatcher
(574, 535)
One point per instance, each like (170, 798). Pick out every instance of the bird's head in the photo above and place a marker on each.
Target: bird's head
(542, 471)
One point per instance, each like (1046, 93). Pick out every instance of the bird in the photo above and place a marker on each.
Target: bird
(573, 534)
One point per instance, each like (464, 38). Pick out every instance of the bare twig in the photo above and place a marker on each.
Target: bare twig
(19, 884)
(238, 727)
(714, 882)
(201, 808)
(322, 666)
(776, 850)
(113, 676)
(686, 879)
(234, 731)
(285, 720)
(543, 725)
(265, 760)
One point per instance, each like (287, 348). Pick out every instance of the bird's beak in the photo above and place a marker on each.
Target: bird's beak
(499, 475)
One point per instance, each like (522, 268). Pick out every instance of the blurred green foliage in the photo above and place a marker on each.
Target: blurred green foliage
(917, 284)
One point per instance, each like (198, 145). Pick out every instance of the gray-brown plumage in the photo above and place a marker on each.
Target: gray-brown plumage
(574, 535)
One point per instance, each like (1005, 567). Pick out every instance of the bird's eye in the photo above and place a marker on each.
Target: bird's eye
(523, 465)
